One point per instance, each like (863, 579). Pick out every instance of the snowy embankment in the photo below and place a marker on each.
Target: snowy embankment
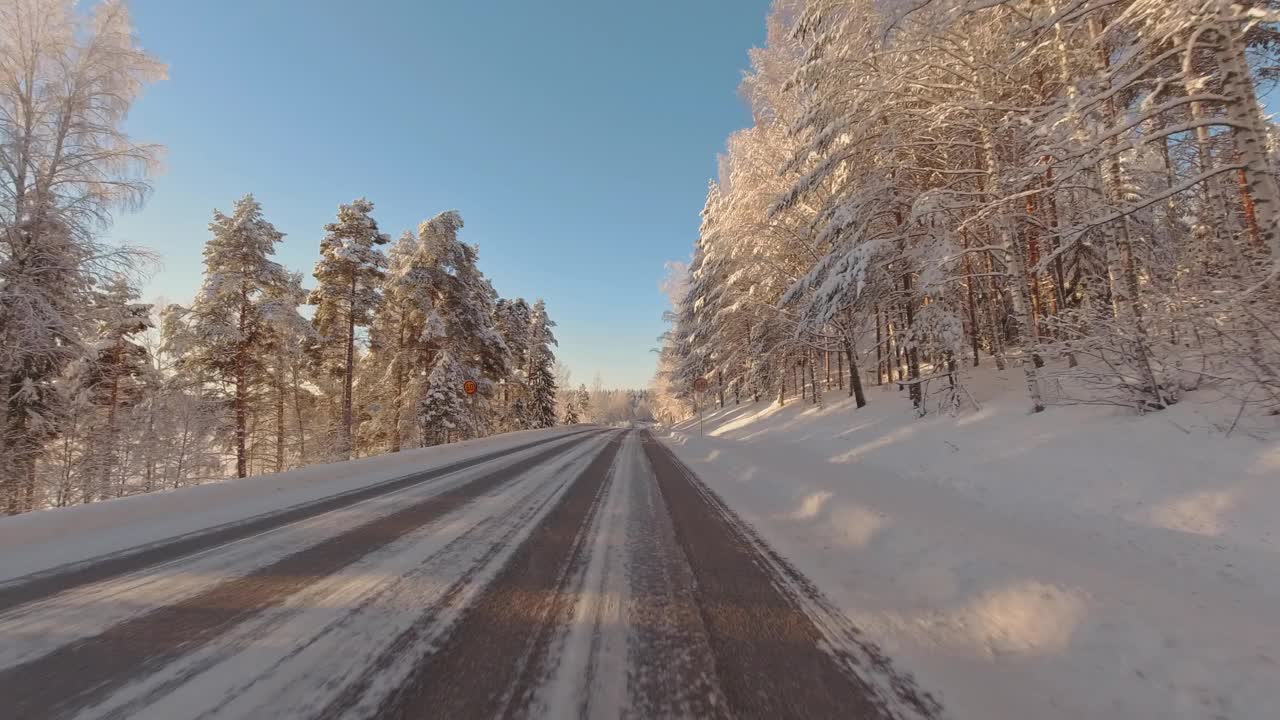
(1079, 563)
(40, 541)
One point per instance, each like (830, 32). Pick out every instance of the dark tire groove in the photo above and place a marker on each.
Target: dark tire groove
(407, 641)
(78, 674)
(767, 650)
(482, 668)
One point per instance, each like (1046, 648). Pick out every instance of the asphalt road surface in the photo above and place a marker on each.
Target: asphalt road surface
(586, 575)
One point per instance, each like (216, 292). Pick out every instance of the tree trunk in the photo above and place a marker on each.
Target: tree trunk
(855, 378)
(1120, 261)
(1015, 267)
(348, 375)
(297, 411)
(890, 347)
(991, 291)
(108, 447)
(1249, 134)
(279, 411)
(149, 478)
(880, 340)
(815, 392)
(913, 353)
(241, 401)
(397, 402)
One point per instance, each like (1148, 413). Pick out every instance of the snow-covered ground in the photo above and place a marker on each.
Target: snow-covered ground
(40, 541)
(1078, 563)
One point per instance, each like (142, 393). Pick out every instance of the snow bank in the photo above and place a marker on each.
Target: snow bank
(1077, 563)
(40, 541)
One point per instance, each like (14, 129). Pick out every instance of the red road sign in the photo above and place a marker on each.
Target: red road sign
(700, 385)
(469, 387)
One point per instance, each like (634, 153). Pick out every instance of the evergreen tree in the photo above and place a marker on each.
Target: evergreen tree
(443, 409)
(116, 374)
(541, 372)
(466, 299)
(228, 324)
(542, 395)
(571, 410)
(348, 277)
(43, 295)
(513, 320)
(465, 304)
(583, 401)
(289, 334)
(405, 331)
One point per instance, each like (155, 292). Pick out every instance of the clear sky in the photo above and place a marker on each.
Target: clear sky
(576, 137)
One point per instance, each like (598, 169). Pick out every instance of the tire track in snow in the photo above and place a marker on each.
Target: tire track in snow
(488, 664)
(77, 674)
(635, 646)
(781, 650)
(294, 660)
(38, 628)
(44, 584)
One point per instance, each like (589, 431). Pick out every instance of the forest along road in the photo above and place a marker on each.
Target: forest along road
(587, 576)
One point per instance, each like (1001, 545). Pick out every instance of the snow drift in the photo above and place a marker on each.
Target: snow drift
(1077, 563)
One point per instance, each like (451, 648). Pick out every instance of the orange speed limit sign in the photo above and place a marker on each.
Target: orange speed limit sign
(469, 387)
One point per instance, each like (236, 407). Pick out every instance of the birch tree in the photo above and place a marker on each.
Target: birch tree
(67, 82)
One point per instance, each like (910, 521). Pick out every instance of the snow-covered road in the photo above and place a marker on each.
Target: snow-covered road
(583, 574)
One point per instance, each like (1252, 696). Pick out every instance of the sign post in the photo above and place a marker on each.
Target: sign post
(470, 387)
(700, 388)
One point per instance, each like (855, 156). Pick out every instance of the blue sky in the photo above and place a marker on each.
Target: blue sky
(575, 136)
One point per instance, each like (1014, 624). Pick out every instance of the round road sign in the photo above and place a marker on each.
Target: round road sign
(469, 387)
(700, 385)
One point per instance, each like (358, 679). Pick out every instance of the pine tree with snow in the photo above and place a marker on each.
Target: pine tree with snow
(583, 401)
(542, 394)
(405, 333)
(115, 375)
(513, 321)
(466, 299)
(571, 410)
(465, 304)
(228, 325)
(289, 334)
(443, 412)
(541, 368)
(348, 276)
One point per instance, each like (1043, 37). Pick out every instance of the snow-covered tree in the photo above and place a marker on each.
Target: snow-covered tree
(289, 334)
(444, 411)
(582, 400)
(1073, 187)
(406, 331)
(348, 280)
(115, 376)
(465, 304)
(67, 81)
(228, 329)
(513, 321)
(571, 410)
(541, 368)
